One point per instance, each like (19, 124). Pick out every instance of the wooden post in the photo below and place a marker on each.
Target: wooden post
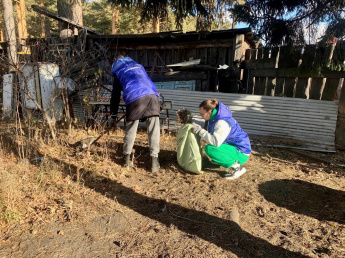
(340, 129)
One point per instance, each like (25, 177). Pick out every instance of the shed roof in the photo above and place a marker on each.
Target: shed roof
(179, 36)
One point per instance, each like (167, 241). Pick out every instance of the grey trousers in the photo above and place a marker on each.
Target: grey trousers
(153, 130)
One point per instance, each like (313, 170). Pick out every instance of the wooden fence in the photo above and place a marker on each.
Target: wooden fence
(295, 71)
(312, 72)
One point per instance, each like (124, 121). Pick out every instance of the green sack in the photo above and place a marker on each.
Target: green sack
(189, 150)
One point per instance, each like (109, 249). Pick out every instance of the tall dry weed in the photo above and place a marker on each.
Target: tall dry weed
(10, 193)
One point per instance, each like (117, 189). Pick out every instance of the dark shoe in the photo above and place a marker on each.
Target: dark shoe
(128, 162)
(206, 163)
(235, 172)
(155, 165)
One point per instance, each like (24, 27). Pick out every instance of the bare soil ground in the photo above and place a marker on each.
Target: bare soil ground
(289, 205)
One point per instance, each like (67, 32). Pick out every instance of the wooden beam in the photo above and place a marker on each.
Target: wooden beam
(292, 73)
(259, 63)
(62, 19)
(153, 46)
(178, 76)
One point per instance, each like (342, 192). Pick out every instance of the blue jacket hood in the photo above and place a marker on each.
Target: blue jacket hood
(121, 63)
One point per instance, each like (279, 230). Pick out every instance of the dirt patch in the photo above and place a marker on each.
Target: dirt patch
(289, 205)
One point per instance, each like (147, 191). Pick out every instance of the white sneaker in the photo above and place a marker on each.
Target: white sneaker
(235, 172)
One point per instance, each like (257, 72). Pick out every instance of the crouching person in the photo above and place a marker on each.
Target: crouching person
(227, 144)
(142, 103)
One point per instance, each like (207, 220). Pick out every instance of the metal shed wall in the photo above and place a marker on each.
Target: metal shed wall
(310, 121)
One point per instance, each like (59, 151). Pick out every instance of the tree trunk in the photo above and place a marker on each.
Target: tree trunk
(221, 14)
(21, 17)
(64, 10)
(198, 25)
(77, 13)
(115, 18)
(10, 34)
(155, 24)
(72, 10)
(2, 35)
(45, 27)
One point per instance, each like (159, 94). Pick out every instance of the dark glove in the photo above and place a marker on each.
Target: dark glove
(114, 117)
(196, 128)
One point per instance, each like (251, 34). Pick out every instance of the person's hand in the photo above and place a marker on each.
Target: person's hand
(196, 128)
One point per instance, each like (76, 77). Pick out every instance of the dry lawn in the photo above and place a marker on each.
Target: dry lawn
(75, 203)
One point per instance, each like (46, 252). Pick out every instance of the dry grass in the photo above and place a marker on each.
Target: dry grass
(178, 212)
(36, 192)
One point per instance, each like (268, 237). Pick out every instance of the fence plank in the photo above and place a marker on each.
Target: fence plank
(245, 80)
(202, 54)
(275, 53)
(144, 58)
(251, 82)
(266, 52)
(253, 54)
(168, 56)
(330, 90)
(315, 88)
(340, 86)
(271, 86)
(221, 56)
(279, 90)
(190, 54)
(260, 53)
(302, 88)
(289, 88)
(289, 56)
(213, 56)
(260, 87)
(247, 55)
(340, 129)
(308, 57)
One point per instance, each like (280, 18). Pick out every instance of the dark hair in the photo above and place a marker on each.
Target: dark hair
(119, 57)
(209, 104)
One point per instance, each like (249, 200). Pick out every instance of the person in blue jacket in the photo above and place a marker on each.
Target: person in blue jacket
(227, 144)
(142, 103)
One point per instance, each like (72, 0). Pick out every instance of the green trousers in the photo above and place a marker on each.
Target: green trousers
(225, 155)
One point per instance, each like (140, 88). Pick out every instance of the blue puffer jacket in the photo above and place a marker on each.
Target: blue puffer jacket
(237, 137)
(134, 79)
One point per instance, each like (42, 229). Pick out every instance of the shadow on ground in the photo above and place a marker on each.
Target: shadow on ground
(223, 233)
(313, 200)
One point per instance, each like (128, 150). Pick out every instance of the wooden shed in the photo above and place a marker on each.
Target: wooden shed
(191, 57)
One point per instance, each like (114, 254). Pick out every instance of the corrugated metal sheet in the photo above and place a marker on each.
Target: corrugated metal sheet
(310, 121)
